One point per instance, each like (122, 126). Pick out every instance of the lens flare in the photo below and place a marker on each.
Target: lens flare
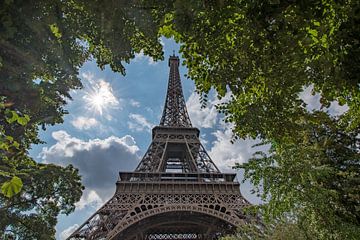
(100, 97)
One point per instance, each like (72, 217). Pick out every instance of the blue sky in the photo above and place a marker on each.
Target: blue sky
(108, 129)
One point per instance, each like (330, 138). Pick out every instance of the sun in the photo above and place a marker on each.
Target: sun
(98, 102)
(100, 97)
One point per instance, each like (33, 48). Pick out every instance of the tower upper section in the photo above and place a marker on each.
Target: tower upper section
(175, 113)
(175, 146)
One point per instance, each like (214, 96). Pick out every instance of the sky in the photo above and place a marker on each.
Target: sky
(108, 129)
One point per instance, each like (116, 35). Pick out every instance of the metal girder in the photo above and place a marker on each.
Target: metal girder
(182, 146)
(175, 113)
(131, 206)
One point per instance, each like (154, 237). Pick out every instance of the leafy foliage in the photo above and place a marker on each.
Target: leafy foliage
(275, 231)
(32, 213)
(314, 177)
(43, 44)
(266, 53)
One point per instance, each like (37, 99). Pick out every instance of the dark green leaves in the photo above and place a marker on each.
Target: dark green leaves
(43, 45)
(266, 53)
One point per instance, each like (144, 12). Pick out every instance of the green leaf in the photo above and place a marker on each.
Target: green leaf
(9, 138)
(55, 30)
(316, 23)
(12, 187)
(14, 117)
(23, 120)
(16, 144)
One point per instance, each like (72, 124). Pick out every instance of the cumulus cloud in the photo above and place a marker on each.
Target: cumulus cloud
(313, 102)
(225, 154)
(84, 123)
(139, 57)
(98, 160)
(207, 116)
(101, 96)
(201, 117)
(161, 39)
(67, 232)
(139, 123)
(203, 138)
(89, 199)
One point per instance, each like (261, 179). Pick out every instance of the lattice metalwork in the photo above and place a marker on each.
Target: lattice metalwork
(126, 209)
(175, 182)
(153, 157)
(174, 236)
(175, 113)
(181, 148)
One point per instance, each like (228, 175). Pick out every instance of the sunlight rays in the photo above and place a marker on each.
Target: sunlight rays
(100, 97)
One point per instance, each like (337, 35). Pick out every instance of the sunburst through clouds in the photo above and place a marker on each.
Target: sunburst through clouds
(100, 97)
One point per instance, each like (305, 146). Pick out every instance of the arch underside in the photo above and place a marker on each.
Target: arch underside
(177, 225)
(125, 214)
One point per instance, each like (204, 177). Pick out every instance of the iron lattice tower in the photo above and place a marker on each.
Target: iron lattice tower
(176, 191)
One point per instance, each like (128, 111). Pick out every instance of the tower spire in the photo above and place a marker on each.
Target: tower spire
(175, 113)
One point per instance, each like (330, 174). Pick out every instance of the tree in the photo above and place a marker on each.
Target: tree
(42, 46)
(314, 178)
(275, 231)
(265, 53)
(32, 213)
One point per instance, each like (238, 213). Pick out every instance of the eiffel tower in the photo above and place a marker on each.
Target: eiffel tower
(176, 191)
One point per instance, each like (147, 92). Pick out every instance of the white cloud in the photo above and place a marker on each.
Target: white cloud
(67, 232)
(139, 123)
(101, 96)
(89, 198)
(98, 160)
(139, 57)
(89, 76)
(204, 117)
(201, 117)
(312, 101)
(134, 103)
(202, 138)
(84, 123)
(225, 154)
(336, 109)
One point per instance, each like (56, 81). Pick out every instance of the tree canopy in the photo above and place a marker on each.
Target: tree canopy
(265, 53)
(42, 46)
